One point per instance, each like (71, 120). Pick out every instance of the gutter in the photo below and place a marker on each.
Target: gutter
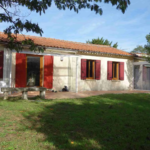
(83, 51)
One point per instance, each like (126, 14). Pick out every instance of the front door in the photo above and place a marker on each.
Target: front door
(34, 71)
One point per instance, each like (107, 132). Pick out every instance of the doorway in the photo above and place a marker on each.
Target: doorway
(34, 65)
(137, 74)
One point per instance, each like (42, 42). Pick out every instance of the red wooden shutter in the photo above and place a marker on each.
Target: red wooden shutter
(21, 78)
(83, 69)
(97, 69)
(144, 73)
(121, 71)
(109, 70)
(48, 72)
(1, 63)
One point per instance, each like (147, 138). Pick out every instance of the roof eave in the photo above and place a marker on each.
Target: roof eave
(75, 50)
(87, 51)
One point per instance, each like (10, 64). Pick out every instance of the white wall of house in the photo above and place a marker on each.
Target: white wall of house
(6, 80)
(64, 74)
(103, 84)
(13, 69)
(2, 83)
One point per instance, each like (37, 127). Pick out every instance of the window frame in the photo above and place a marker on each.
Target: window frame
(93, 69)
(113, 70)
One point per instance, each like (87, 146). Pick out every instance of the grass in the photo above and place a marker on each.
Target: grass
(106, 122)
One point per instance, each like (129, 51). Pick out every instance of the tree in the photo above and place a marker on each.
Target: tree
(101, 41)
(144, 49)
(40, 6)
(139, 49)
(147, 47)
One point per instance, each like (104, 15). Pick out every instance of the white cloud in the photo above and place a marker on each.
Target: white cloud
(87, 28)
(132, 21)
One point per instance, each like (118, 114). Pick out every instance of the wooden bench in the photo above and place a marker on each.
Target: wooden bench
(24, 91)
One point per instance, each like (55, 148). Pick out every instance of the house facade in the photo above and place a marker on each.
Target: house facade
(79, 66)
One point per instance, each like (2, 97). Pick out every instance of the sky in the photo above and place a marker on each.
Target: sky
(128, 29)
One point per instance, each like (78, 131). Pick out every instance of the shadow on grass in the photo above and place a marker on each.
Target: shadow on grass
(109, 122)
(19, 98)
(12, 99)
(38, 99)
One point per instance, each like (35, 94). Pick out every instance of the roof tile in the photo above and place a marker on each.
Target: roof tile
(50, 42)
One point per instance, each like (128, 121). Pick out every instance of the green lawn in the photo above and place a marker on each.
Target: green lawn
(106, 122)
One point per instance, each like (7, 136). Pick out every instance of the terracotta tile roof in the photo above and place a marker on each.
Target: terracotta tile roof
(49, 42)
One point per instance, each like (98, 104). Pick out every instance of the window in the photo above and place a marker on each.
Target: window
(90, 69)
(115, 71)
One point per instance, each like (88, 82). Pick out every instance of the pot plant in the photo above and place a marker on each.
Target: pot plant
(31, 80)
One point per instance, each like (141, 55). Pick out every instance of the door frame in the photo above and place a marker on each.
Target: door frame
(41, 67)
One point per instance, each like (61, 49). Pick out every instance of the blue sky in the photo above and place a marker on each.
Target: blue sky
(128, 29)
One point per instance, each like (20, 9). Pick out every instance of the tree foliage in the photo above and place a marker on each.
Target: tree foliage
(144, 49)
(17, 25)
(102, 41)
(147, 47)
(139, 49)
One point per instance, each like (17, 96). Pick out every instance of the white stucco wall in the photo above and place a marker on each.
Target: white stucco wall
(6, 80)
(60, 72)
(2, 83)
(13, 69)
(103, 84)
(64, 74)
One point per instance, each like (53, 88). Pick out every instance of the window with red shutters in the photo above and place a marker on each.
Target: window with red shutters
(1, 63)
(90, 69)
(115, 70)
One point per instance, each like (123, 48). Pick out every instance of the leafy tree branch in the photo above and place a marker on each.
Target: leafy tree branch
(17, 25)
(102, 41)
